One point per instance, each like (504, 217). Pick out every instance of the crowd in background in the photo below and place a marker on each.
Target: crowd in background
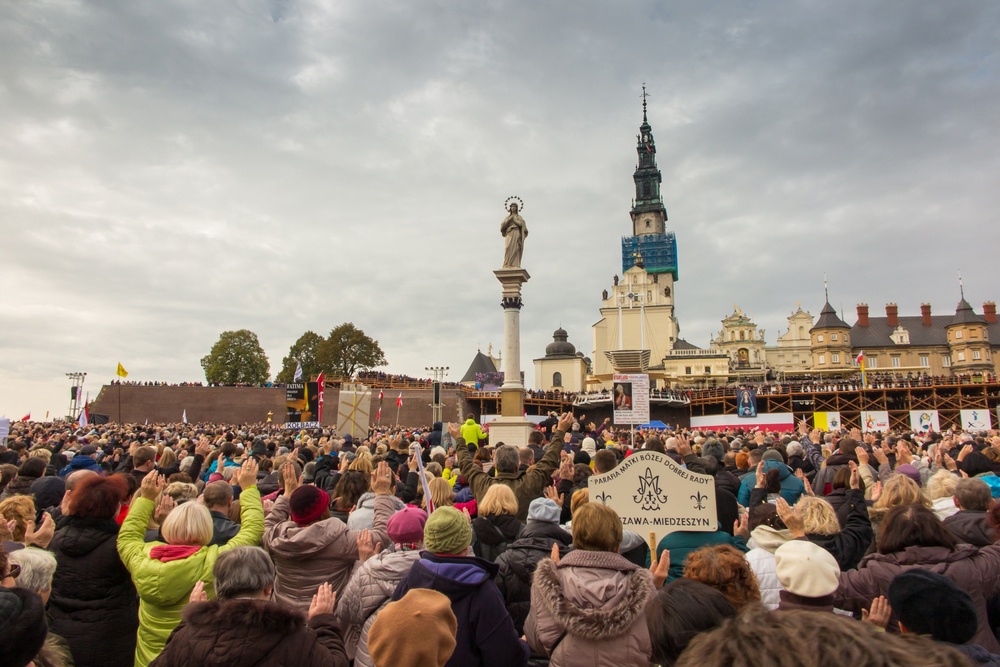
(214, 544)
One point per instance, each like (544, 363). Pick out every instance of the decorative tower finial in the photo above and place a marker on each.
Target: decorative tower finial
(644, 94)
(961, 287)
(826, 289)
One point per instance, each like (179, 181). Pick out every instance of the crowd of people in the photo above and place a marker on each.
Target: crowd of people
(213, 544)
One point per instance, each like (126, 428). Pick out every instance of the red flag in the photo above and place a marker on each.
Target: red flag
(380, 396)
(319, 398)
(378, 415)
(399, 401)
(27, 417)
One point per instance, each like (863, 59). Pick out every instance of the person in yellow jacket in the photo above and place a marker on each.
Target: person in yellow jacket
(472, 433)
(165, 574)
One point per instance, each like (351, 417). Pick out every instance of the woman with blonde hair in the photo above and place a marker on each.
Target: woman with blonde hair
(815, 519)
(165, 573)
(941, 491)
(897, 490)
(497, 524)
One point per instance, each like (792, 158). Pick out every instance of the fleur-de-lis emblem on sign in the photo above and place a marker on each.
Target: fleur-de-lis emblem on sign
(699, 500)
(603, 497)
(649, 495)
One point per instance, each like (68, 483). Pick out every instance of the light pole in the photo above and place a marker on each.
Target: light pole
(438, 373)
(74, 393)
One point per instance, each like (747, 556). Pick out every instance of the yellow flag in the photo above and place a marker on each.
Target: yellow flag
(121, 372)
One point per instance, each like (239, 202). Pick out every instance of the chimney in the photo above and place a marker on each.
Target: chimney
(925, 314)
(892, 315)
(862, 314)
(990, 312)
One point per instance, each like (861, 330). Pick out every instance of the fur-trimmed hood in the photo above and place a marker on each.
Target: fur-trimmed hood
(256, 614)
(237, 632)
(596, 595)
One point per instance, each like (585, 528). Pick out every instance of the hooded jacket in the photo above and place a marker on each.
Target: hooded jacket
(81, 462)
(486, 635)
(970, 526)
(93, 604)
(526, 486)
(324, 551)
(518, 563)
(164, 586)
(589, 609)
(792, 487)
(494, 532)
(975, 571)
(472, 433)
(765, 541)
(370, 589)
(252, 632)
(363, 515)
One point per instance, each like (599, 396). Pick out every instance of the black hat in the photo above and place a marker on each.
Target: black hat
(931, 604)
(88, 450)
(22, 626)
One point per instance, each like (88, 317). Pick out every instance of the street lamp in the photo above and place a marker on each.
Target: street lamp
(438, 373)
(74, 393)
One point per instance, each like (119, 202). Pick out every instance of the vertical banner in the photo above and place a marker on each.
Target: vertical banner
(631, 398)
(746, 403)
(826, 421)
(874, 421)
(354, 410)
(923, 421)
(976, 420)
(320, 388)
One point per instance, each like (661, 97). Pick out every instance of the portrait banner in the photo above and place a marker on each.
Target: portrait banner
(631, 398)
(746, 403)
(652, 494)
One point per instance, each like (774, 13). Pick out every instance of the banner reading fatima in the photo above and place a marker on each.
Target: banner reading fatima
(631, 399)
(652, 494)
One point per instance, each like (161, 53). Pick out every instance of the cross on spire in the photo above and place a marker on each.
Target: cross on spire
(644, 96)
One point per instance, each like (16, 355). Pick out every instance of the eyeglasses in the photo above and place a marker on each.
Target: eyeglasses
(14, 572)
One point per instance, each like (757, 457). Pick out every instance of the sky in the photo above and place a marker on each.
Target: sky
(171, 170)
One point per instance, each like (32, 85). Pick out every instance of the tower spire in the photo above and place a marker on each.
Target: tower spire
(961, 287)
(644, 94)
(826, 289)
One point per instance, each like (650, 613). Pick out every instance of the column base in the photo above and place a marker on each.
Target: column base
(510, 431)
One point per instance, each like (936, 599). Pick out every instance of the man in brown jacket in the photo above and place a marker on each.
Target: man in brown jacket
(309, 546)
(527, 485)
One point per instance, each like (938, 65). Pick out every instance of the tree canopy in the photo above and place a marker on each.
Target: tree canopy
(236, 357)
(348, 350)
(303, 350)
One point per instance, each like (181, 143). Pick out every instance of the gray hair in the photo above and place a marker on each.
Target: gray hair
(37, 568)
(506, 459)
(243, 571)
(794, 448)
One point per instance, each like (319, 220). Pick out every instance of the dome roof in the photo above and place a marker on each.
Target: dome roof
(560, 345)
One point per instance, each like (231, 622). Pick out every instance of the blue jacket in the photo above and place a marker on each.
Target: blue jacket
(486, 636)
(81, 462)
(792, 487)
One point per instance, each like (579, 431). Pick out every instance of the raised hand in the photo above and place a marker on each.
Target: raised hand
(41, 537)
(454, 430)
(791, 517)
(855, 475)
(163, 508)
(760, 475)
(248, 473)
(741, 526)
(290, 479)
(862, 455)
(198, 593)
(565, 422)
(381, 482)
(880, 455)
(552, 494)
(324, 601)
(152, 485)
(367, 547)
(660, 569)
(555, 552)
(879, 614)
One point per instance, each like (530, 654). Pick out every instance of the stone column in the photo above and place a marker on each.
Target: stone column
(511, 428)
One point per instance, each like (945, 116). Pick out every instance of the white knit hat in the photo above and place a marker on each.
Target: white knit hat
(806, 569)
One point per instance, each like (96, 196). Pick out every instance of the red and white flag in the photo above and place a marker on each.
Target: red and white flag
(381, 395)
(378, 415)
(26, 418)
(860, 358)
(319, 398)
(84, 418)
(399, 401)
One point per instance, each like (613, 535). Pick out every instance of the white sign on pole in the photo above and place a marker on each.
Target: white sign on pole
(976, 420)
(631, 398)
(652, 494)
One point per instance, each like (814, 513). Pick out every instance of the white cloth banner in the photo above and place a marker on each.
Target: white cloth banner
(874, 421)
(923, 421)
(976, 420)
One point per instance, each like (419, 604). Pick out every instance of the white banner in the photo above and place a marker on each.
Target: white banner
(299, 425)
(874, 421)
(976, 420)
(775, 421)
(4, 428)
(827, 421)
(631, 398)
(923, 421)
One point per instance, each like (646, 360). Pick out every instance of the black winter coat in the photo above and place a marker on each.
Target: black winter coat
(518, 563)
(252, 632)
(94, 606)
(494, 533)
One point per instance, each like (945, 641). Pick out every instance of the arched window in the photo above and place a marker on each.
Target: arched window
(557, 379)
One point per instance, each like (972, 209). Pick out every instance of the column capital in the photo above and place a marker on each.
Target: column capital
(511, 302)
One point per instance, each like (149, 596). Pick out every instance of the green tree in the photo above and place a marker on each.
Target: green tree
(303, 350)
(348, 350)
(236, 357)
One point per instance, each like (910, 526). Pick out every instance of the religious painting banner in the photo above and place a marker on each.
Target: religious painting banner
(874, 421)
(923, 421)
(654, 496)
(746, 403)
(631, 398)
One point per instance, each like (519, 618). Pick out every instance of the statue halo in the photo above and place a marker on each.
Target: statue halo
(520, 203)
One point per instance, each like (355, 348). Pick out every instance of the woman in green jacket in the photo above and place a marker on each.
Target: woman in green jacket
(164, 574)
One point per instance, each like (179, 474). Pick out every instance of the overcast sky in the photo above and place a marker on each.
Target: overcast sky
(170, 170)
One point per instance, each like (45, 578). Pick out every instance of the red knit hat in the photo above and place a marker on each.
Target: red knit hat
(407, 526)
(307, 504)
